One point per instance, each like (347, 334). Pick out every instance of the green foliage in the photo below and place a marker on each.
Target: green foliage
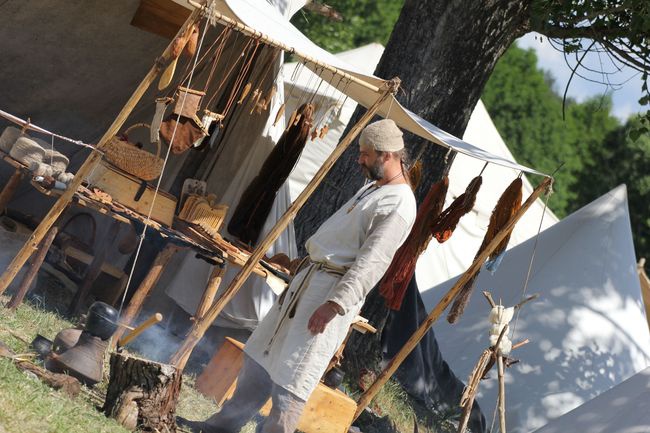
(623, 159)
(621, 28)
(598, 153)
(364, 21)
(528, 114)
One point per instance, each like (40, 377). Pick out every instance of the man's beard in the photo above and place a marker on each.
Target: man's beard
(374, 171)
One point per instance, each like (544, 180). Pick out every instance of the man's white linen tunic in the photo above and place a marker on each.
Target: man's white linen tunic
(349, 253)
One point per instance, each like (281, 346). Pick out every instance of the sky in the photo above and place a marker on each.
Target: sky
(625, 98)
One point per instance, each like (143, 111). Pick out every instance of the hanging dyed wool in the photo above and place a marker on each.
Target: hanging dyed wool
(255, 204)
(448, 220)
(399, 273)
(508, 204)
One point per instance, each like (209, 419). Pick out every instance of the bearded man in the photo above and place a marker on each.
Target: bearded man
(289, 351)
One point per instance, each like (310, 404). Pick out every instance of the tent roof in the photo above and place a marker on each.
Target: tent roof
(622, 409)
(588, 330)
(266, 20)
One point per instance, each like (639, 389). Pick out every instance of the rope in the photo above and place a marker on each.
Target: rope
(155, 194)
(29, 125)
(530, 264)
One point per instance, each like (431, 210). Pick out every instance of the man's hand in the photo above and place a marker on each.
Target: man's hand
(321, 317)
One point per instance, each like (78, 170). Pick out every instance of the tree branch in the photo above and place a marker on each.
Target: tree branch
(586, 32)
(325, 10)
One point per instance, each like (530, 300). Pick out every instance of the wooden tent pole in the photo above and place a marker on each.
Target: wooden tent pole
(179, 359)
(210, 290)
(37, 236)
(10, 188)
(143, 290)
(397, 360)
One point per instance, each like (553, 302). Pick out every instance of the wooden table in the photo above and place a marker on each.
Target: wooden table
(216, 251)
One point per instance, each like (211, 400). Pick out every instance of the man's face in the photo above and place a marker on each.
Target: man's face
(372, 164)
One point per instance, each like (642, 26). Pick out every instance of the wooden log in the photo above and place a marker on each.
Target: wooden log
(210, 291)
(68, 384)
(93, 159)
(10, 188)
(37, 261)
(94, 269)
(142, 394)
(144, 289)
(200, 326)
(410, 344)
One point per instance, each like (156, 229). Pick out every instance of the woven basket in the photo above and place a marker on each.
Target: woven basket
(135, 161)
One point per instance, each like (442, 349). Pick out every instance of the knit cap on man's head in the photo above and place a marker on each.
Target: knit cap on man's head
(383, 136)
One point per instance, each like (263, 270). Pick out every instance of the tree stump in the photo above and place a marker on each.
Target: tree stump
(143, 394)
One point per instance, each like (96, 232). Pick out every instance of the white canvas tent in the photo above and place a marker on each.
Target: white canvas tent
(622, 409)
(587, 330)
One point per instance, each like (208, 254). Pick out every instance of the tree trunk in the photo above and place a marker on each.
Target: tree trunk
(143, 394)
(444, 52)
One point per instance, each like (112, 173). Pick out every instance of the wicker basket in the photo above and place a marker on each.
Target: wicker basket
(135, 161)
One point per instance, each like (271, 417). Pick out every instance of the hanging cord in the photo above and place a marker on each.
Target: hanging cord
(294, 75)
(232, 68)
(530, 264)
(27, 124)
(162, 171)
(311, 98)
(327, 111)
(52, 151)
(240, 78)
(217, 56)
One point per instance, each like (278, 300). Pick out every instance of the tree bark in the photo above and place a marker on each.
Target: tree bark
(444, 52)
(143, 394)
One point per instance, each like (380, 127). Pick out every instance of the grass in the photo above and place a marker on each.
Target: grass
(27, 405)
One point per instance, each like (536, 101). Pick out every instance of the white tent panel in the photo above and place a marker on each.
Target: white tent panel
(587, 330)
(622, 409)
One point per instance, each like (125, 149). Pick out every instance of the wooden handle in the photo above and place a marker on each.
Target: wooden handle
(138, 330)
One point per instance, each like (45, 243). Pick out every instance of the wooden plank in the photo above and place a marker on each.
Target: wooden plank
(87, 259)
(124, 188)
(161, 17)
(219, 378)
(327, 410)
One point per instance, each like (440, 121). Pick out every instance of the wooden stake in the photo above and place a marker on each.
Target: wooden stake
(143, 290)
(210, 291)
(179, 359)
(156, 318)
(502, 392)
(88, 165)
(10, 188)
(37, 261)
(397, 360)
